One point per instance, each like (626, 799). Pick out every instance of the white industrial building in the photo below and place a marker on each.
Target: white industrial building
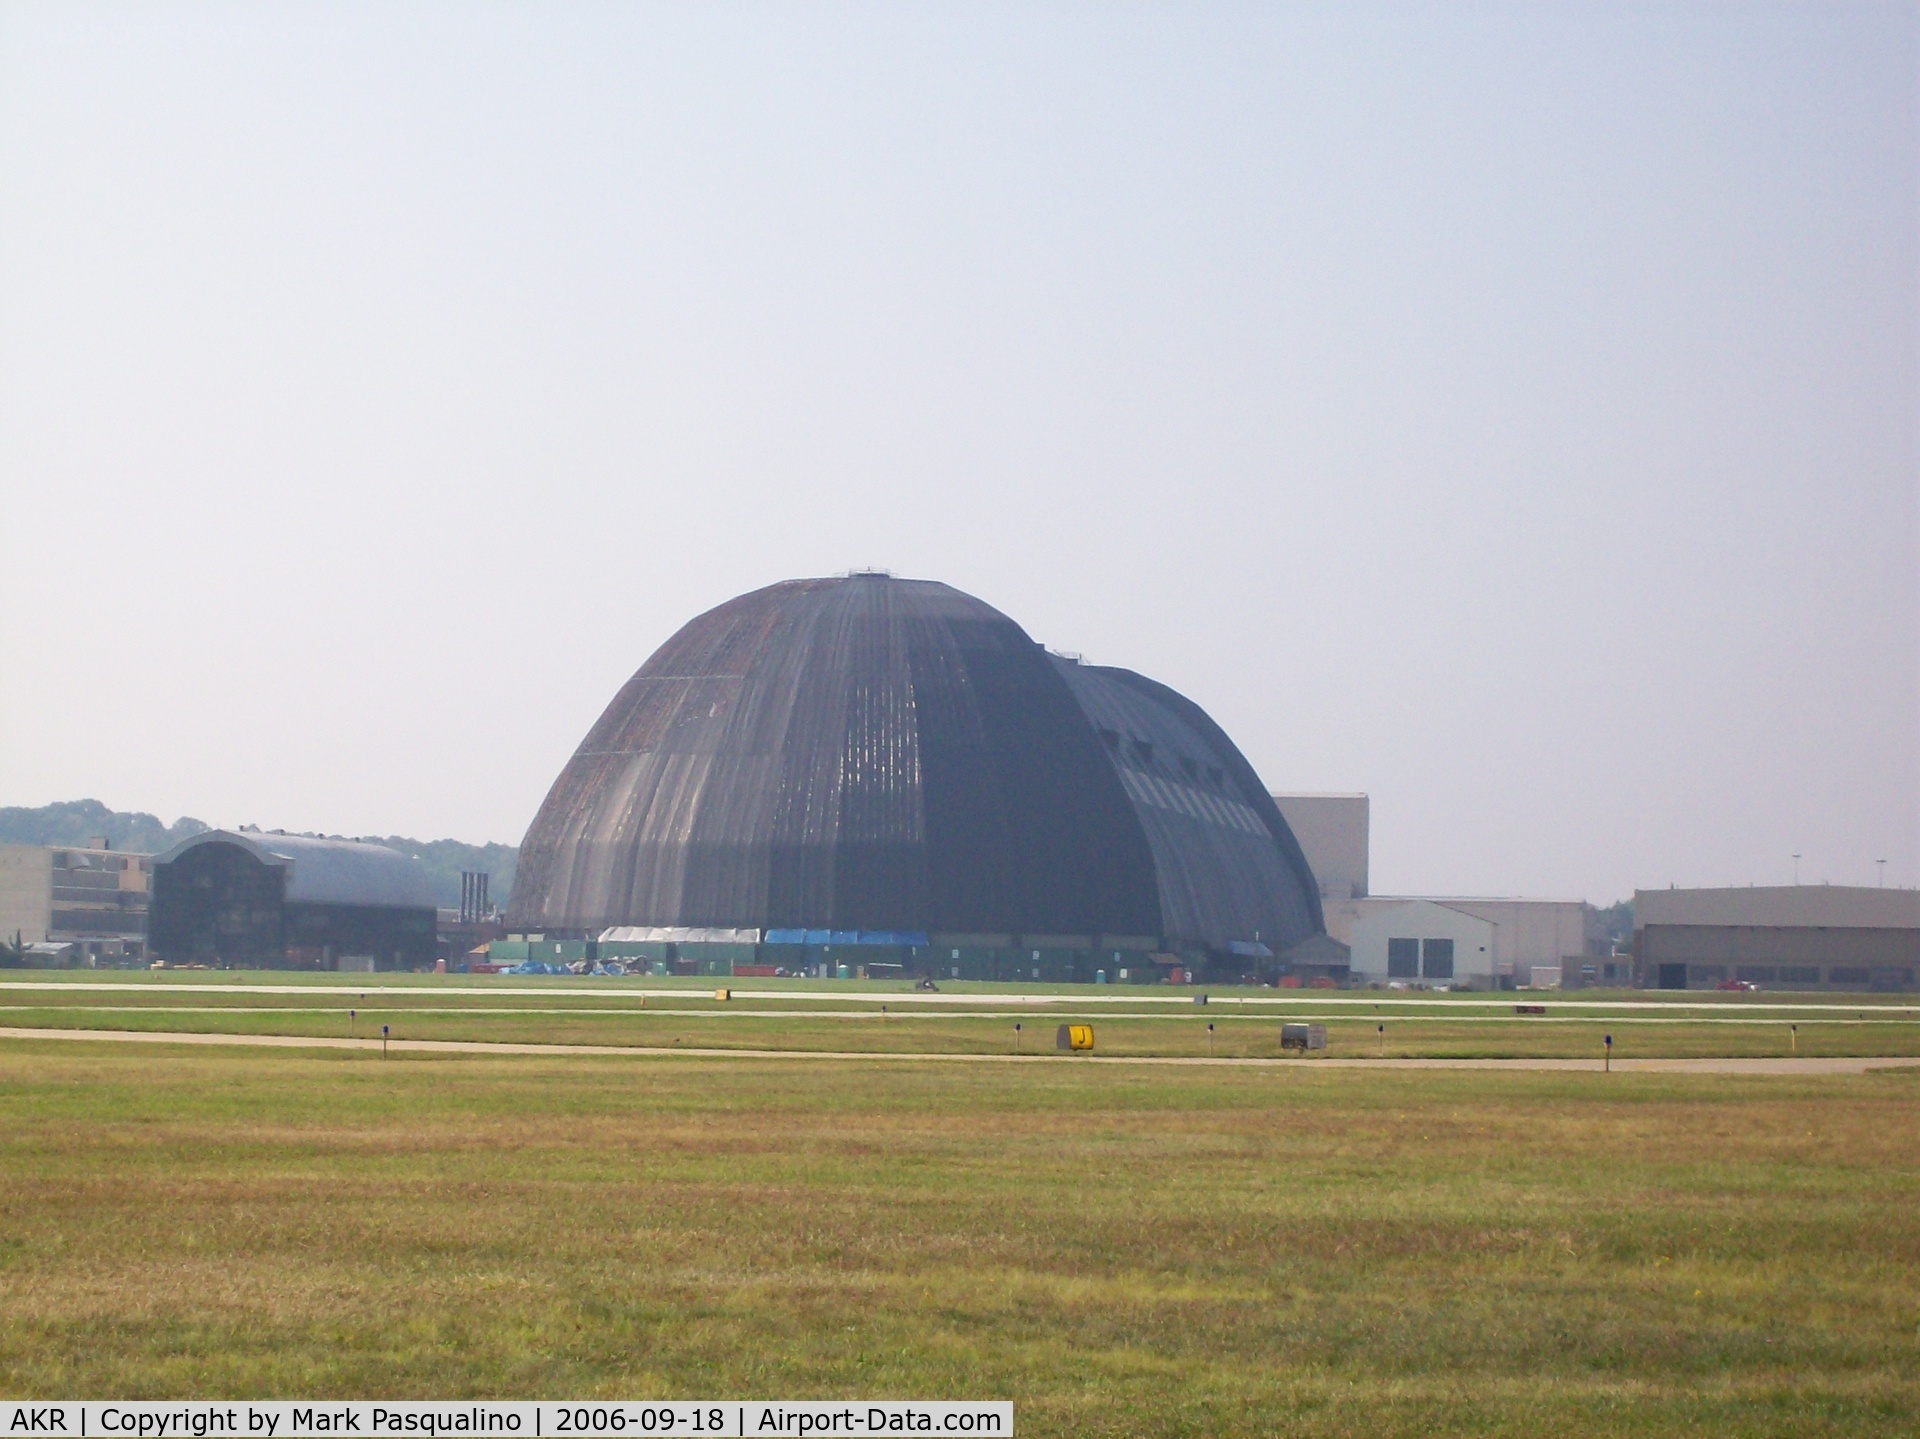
(1423, 941)
(1540, 942)
(1495, 943)
(1534, 935)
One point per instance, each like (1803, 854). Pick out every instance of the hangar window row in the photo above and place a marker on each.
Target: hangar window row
(1143, 752)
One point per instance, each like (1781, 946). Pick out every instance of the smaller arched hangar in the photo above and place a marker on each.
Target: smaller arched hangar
(254, 898)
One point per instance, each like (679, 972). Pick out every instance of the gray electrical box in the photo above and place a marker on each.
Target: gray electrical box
(1303, 1036)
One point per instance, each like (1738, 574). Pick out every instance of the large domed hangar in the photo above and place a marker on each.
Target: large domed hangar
(881, 775)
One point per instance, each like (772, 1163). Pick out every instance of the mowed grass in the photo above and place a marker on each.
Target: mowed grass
(815, 1018)
(1118, 1251)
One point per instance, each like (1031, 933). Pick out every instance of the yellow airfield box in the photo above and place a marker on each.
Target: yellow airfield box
(1075, 1036)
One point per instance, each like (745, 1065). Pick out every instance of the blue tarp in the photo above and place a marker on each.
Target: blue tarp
(908, 938)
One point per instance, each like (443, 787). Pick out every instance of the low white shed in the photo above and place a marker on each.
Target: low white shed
(1419, 941)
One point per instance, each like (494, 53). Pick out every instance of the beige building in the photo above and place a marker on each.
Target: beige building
(1333, 830)
(1802, 936)
(94, 897)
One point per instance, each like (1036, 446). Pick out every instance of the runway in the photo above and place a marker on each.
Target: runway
(1427, 1004)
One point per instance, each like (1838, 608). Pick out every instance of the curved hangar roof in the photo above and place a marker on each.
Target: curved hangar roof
(881, 754)
(325, 871)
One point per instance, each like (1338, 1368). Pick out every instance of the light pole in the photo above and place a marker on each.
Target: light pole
(1796, 869)
(1883, 872)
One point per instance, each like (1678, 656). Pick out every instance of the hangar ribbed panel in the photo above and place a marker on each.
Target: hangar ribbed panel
(1228, 867)
(863, 753)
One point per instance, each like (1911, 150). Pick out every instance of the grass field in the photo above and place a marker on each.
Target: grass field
(1119, 1250)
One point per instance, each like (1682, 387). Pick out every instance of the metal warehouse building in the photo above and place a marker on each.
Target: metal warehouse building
(1809, 936)
(248, 897)
(876, 756)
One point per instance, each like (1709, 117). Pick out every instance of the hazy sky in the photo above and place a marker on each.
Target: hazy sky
(1509, 411)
